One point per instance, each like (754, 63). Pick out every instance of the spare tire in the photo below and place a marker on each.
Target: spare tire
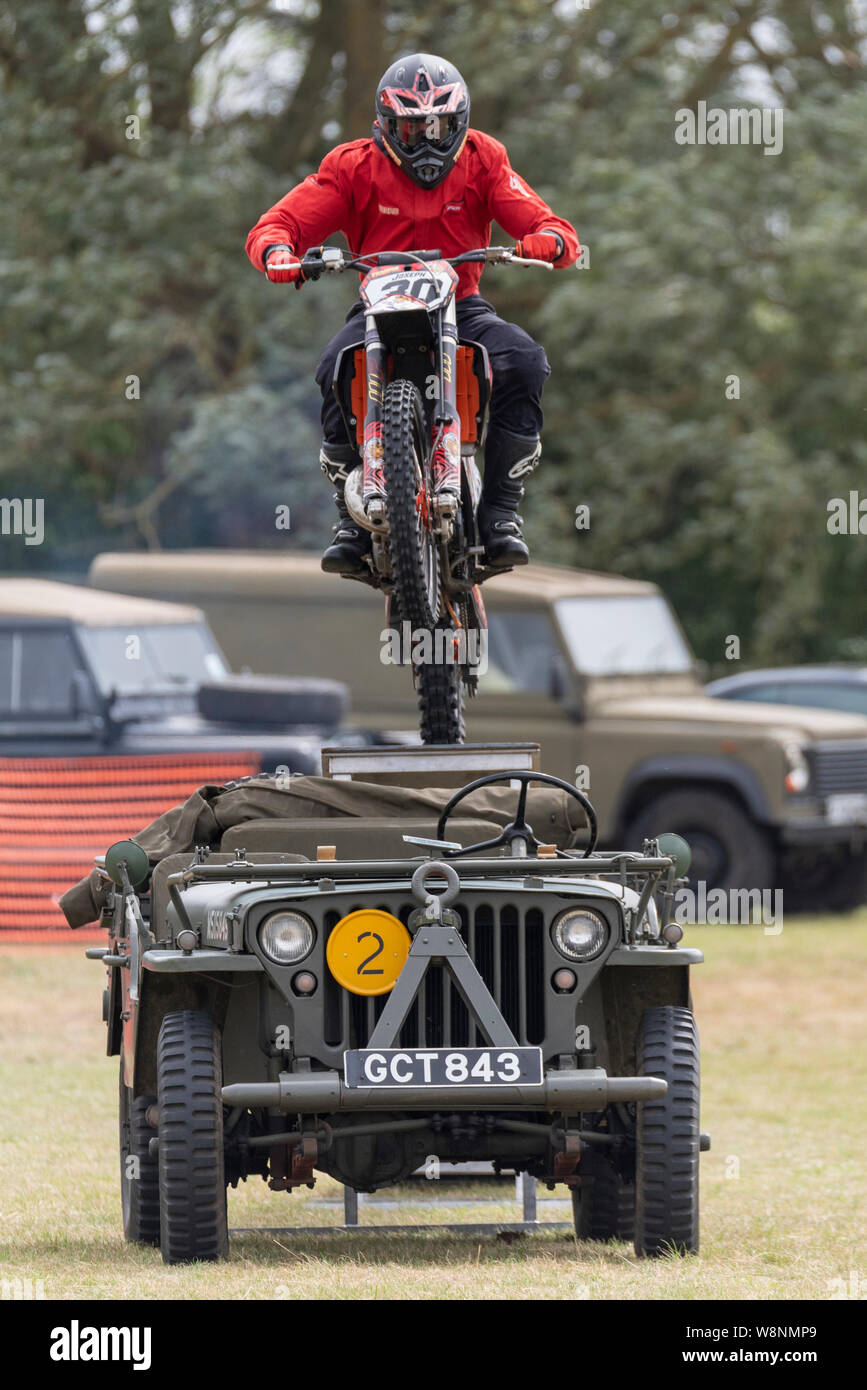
(274, 700)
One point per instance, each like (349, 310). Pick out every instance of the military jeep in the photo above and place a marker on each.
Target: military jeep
(354, 995)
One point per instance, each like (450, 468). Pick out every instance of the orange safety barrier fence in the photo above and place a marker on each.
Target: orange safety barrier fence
(56, 814)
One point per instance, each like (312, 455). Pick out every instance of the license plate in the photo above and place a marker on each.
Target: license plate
(847, 807)
(443, 1066)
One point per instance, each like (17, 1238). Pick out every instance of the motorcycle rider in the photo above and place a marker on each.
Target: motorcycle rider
(425, 178)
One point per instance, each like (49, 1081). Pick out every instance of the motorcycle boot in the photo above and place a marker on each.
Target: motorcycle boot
(508, 460)
(351, 544)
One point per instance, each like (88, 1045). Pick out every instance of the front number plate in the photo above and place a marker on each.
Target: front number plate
(847, 808)
(443, 1066)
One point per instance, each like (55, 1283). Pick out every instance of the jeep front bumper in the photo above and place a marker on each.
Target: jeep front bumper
(562, 1092)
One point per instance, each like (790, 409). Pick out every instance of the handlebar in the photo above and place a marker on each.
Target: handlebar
(323, 260)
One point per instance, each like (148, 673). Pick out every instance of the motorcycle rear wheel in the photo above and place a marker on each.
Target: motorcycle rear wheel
(440, 702)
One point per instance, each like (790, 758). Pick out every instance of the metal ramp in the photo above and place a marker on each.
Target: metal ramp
(525, 1191)
(436, 765)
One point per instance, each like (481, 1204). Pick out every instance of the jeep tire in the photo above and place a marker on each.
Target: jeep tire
(668, 1136)
(193, 1220)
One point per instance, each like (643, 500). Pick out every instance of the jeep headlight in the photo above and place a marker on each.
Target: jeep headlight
(286, 937)
(798, 774)
(579, 933)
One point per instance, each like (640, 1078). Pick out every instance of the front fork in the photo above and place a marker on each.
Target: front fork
(446, 460)
(373, 454)
(446, 466)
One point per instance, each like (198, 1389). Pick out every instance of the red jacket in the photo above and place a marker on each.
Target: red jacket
(359, 191)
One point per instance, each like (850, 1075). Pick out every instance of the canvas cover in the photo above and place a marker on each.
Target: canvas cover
(209, 811)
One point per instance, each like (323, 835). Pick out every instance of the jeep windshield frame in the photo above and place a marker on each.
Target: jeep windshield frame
(623, 635)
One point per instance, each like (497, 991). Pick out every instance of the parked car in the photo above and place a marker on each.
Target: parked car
(110, 708)
(597, 669)
(825, 687)
(84, 672)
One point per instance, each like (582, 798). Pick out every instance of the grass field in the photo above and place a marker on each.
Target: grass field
(782, 1022)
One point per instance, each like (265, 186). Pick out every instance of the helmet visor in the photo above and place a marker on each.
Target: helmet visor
(409, 132)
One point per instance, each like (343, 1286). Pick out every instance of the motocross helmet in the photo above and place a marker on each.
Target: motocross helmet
(422, 116)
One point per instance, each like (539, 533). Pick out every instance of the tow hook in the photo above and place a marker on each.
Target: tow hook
(292, 1163)
(566, 1161)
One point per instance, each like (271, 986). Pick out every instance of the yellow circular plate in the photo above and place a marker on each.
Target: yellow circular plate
(367, 950)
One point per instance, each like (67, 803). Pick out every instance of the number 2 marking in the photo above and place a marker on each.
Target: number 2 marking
(361, 970)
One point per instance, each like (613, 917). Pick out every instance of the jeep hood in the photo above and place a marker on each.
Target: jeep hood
(806, 723)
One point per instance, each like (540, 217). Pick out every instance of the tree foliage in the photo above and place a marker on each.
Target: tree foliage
(157, 392)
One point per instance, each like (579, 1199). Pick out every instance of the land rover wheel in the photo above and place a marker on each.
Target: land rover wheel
(668, 1137)
(728, 849)
(824, 881)
(603, 1206)
(192, 1179)
(139, 1172)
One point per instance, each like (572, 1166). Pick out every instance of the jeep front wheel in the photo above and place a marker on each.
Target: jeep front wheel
(668, 1136)
(728, 849)
(193, 1220)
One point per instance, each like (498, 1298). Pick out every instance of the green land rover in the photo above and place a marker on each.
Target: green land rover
(595, 668)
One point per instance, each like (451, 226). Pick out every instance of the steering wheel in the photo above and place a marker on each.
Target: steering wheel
(518, 829)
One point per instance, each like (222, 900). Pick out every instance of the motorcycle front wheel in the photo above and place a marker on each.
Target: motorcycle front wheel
(414, 557)
(411, 543)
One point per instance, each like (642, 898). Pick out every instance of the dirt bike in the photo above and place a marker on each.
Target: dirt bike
(415, 400)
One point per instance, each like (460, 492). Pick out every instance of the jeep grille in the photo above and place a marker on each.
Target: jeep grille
(507, 947)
